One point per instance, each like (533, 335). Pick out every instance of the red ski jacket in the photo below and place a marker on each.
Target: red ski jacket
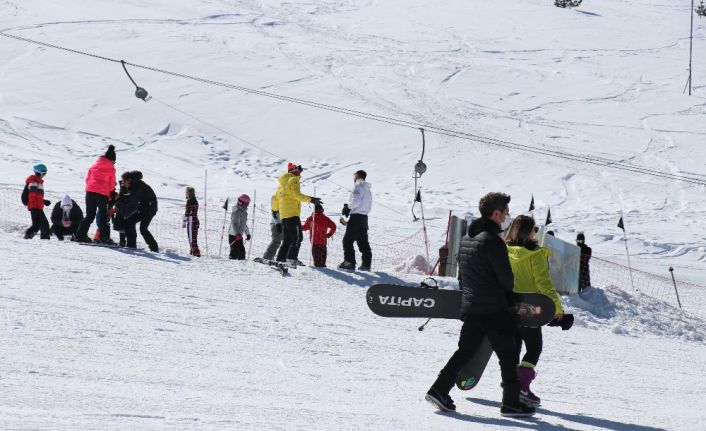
(35, 187)
(322, 226)
(101, 177)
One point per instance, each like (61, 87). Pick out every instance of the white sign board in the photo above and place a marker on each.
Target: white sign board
(563, 263)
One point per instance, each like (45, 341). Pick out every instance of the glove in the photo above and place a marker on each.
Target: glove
(113, 196)
(329, 235)
(111, 211)
(278, 226)
(565, 323)
(346, 211)
(47, 202)
(342, 221)
(316, 201)
(247, 237)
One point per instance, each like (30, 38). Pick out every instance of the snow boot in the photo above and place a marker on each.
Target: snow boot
(365, 268)
(441, 401)
(512, 407)
(525, 374)
(29, 235)
(291, 263)
(347, 266)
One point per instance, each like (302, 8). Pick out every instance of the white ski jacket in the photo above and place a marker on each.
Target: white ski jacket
(361, 200)
(239, 222)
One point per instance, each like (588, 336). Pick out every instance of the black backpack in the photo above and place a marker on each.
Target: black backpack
(25, 195)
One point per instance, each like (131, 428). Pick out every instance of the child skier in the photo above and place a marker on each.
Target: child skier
(191, 221)
(321, 229)
(33, 198)
(238, 228)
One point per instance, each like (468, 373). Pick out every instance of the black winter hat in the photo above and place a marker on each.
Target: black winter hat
(110, 154)
(318, 208)
(580, 237)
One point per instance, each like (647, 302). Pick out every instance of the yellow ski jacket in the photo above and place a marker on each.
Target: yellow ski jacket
(288, 197)
(531, 272)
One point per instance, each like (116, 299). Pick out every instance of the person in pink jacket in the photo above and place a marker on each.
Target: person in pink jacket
(100, 184)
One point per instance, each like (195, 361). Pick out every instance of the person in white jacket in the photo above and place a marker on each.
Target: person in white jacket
(357, 209)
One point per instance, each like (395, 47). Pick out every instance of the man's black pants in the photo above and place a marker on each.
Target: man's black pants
(357, 231)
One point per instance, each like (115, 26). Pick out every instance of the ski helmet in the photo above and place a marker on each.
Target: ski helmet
(243, 201)
(39, 169)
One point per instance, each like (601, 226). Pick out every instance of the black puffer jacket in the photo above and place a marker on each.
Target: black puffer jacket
(139, 199)
(484, 270)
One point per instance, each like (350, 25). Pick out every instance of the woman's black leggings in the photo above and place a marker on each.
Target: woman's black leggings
(532, 337)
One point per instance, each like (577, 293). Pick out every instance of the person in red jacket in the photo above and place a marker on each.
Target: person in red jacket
(320, 228)
(100, 184)
(33, 197)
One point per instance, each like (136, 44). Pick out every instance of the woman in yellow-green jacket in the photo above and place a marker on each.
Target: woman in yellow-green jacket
(530, 268)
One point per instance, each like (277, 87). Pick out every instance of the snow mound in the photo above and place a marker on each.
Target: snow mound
(632, 314)
(415, 265)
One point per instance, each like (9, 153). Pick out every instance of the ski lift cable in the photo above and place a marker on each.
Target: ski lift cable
(246, 142)
(576, 157)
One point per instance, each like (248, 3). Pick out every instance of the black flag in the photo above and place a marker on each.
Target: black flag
(549, 217)
(418, 198)
(532, 204)
(225, 205)
(620, 224)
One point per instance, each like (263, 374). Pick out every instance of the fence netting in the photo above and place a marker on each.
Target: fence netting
(389, 250)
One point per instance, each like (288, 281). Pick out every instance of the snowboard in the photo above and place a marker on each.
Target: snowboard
(392, 300)
(277, 266)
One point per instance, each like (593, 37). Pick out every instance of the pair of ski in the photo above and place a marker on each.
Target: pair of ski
(280, 267)
(391, 300)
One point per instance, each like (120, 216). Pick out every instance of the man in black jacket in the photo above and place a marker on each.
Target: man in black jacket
(487, 281)
(65, 218)
(138, 205)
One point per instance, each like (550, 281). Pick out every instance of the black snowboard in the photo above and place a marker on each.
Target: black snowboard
(471, 373)
(392, 300)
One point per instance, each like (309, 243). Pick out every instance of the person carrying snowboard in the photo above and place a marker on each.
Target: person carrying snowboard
(33, 198)
(289, 199)
(486, 281)
(140, 207)
(191, 221)
(100, 182)
(320, 228)
(530, 269)
(275, 231)
(357, 209)
(65, 218)
(238, 228)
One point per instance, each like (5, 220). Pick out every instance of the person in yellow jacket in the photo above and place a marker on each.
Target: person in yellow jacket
(288, 201)
(530, 268)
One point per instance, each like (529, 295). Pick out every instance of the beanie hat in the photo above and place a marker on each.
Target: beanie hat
(361, 174)
(293, 168)
(110, 154)
(580, 237)
(66, 201)
(318, 208)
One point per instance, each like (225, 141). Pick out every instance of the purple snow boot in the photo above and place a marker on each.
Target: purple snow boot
(525, 375)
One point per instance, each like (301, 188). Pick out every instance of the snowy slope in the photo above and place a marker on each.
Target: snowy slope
(604, 80)
(145, 341)
(105, 339)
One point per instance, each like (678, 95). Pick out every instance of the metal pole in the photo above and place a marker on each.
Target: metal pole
(252, 231)
(205, 207)
(691, 42)
(671, 271)
(426, 238)
(627, 253)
